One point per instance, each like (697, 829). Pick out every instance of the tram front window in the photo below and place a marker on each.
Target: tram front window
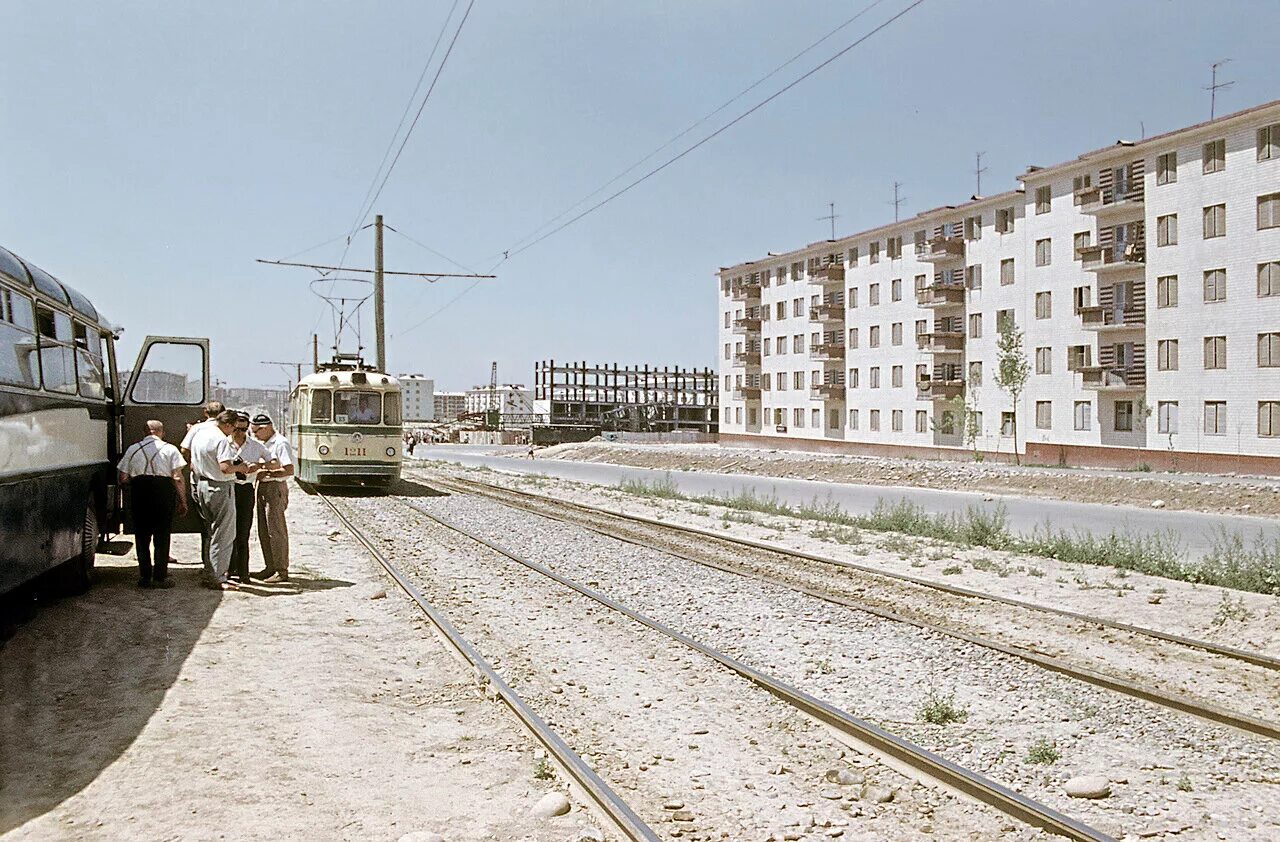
(354, 407)
(321, 406)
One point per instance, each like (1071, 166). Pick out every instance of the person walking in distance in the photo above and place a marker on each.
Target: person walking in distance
(211, 410)
(213, 470)
(273, 500)
(151, 473)
(247, 449)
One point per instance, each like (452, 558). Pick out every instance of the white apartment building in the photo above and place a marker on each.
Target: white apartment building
(449, 405)
(417, 394)
(508, 398)
(1145, 277)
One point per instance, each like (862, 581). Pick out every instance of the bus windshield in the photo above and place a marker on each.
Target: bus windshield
(351, 406)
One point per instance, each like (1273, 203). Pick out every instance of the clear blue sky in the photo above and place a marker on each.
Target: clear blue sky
(151, 150)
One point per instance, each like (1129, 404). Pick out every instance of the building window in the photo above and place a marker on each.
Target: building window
(875, 377)
(797, 307)
(797, 344)
(781, 308)
(1269, 419)
(1215, 418)
(895, 333)
(1044, 360)
(1167, 168)
(1269, 142)
(853, 419)
(1004, 321)
(975, 326)
(727, 415)
(893, 247)
(815, 418)
(853, 256)
(853, 378)
(1044, 305)
(1269, 211)
(895, 375)
(1124, 417)
(1006, 423)
(1268, 279)
(833, 419)
(895, 289)
(1214, 156)
(797, 270)
(1044, 252)
(1044, 198)
(726, 350)
(781, 342)
(922, 421)
(896, 420)
(875, 420)
(1215, 221)
(1167, 291)
(873, 252)
(737, 415)
(766, 381)
(797, 418)
(1044, 415)
(853, 337)
(1004, 220)
(1081, 241)
(1269, 350)
(1167, 417)
(1167, 355)
(975, 374)
(873, 337)
(973, 228)
(1167, 230)
(853, 297)
(922, 326)
(1082, 413)
(1215, 285)
(1006, 272)
(873, 295)
(1215, 352)
(797, 380)
(1081, 297)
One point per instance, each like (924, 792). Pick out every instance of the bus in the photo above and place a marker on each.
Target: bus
(65, 418)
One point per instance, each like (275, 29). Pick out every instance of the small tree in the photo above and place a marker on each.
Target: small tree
(1012, 371)
(965, 407)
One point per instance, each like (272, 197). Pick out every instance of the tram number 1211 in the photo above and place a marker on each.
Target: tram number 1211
(354, 451)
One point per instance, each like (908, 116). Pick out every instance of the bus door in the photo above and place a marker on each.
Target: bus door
(169, 383)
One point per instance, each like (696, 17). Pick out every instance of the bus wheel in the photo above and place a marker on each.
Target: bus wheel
(76, 575)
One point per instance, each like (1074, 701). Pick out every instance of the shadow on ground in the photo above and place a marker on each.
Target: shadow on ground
(81, 680)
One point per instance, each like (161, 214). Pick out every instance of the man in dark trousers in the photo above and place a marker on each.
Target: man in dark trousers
(151, 473)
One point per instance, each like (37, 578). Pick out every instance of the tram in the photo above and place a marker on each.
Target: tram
(65, 418)
(346, 427)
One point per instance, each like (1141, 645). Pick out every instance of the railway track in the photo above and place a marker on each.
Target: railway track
(606, 801)
(870, 739)
(656, 534)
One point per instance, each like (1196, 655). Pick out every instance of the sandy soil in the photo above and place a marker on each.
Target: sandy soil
(1239, 495)
(315, 710)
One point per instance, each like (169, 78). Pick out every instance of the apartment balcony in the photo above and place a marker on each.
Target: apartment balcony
(745, 292)
(746, 324)
(827, 351)
(746, 393)
(1109, 319)
(1107, 259)
(941, 295)
(828, 391)
(1105, 206)
(828, 312)
(747, 358)
(1109, 378)
(941, 249)
(939, 388)
(940, 342)
(830, 275)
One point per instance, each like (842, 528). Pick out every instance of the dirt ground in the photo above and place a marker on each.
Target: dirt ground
(314, 710)
(1226, 494)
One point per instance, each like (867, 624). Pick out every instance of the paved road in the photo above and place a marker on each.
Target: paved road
(1195, 530)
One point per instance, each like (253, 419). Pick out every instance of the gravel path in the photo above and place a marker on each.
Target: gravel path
(1169, 772)
(698, 752)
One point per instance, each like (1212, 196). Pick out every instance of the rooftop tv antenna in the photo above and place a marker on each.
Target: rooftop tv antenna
(1214, 86)
(833, 216)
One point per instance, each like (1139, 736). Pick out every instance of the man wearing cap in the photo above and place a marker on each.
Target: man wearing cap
(248, 449)
(151, 473)
(273, 500)
(213, 470)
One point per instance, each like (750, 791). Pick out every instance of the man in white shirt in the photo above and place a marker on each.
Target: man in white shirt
(213, 470)
(246, 449)
(211, 410)
(151, 473)
(273, 500)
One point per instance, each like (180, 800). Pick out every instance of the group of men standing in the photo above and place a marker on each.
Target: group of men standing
(238, 464)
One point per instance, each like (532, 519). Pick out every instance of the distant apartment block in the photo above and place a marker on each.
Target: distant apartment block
(449, 405)
(1145, 277)
(507, 398)
(417, 394)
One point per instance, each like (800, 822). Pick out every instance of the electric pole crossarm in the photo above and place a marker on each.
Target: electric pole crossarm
(426, 275)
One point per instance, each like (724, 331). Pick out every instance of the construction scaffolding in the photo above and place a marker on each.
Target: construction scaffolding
(639, 399)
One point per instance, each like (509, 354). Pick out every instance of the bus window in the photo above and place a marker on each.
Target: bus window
(18, 361)
(321, 406)
(172, 373)
(352, 407)
(391, 408)
(57, 358)
(89, 362)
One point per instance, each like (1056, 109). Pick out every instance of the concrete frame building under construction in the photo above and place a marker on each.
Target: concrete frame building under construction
(628, 398)
(1145, 277)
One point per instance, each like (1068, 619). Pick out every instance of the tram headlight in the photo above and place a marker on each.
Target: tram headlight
(391, 451)
(324, 449)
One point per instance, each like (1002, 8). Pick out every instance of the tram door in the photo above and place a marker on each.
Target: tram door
(169, 383)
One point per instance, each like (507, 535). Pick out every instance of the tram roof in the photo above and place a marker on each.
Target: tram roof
(27, 274)
(330, 379)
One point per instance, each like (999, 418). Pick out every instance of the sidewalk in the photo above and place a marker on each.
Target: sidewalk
(313, 710)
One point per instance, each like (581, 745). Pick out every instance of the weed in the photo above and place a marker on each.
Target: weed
(952, 570)
(1184, 784)
(898, 544)
(938, 709)
(1044, 752)
(542, 770)
(1036, 572)
(823, 666)
(1228, 610)
(839, 534)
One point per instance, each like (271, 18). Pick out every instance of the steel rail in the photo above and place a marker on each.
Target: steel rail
(610, 804)
(949, 774)
(1182, 703)
(1253, 657)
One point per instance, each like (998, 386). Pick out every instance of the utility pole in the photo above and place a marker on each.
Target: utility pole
(379, 323)
(1214, 85)
(897, 200)
(315, 352)
(833, 216)
(978, 170)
